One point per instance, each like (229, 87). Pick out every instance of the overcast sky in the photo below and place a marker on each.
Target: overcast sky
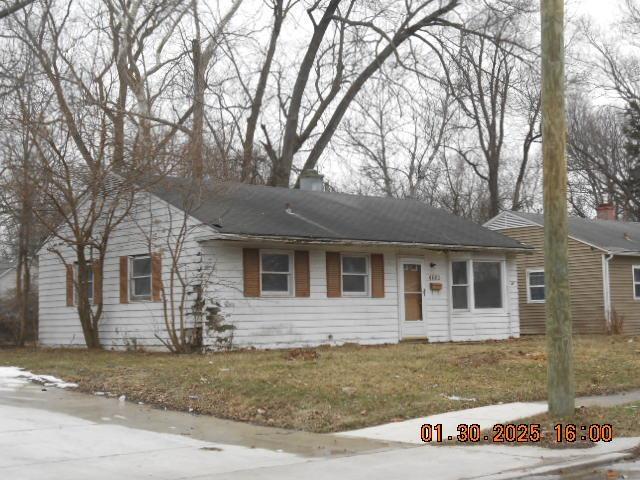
(603, 11)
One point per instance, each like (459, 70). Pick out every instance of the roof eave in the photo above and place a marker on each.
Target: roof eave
(331, 241)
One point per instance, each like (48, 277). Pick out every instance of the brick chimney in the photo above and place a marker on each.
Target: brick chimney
(606, 211)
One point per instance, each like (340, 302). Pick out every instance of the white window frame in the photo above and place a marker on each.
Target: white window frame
(77, 282)
(290, 275)
(633, 280)
(132, 296)
(503, 280)
(467, 285)
(367, 275)
(529, 286)
(471, 294)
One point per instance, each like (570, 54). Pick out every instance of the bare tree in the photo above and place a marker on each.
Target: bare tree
(400, 129)
(201, 60)
(600, 167)
(14, 7)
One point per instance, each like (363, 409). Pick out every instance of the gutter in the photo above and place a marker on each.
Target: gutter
(328, 241)
(606, 284)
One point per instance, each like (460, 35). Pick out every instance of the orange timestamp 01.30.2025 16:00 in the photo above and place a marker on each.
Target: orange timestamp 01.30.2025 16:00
(518, 433)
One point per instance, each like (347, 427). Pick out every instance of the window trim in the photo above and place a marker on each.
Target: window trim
(528, 281)
(367, 275)
(471, 299)
(291, 280)
(467, 262)
(131, 279)
(633, 280)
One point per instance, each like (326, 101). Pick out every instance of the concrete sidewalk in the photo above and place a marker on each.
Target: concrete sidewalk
(408, 431)
(37, 444)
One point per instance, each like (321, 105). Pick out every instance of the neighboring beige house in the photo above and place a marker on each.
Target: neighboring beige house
(604, 269)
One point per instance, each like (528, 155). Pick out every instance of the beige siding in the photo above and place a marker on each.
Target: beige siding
(585, 269)
(623, 303)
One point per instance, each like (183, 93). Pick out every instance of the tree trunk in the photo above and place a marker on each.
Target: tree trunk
(256, 104)
(281, 172)
(561, 391)
(197, 162)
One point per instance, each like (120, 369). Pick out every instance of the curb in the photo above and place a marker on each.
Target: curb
(571, 466)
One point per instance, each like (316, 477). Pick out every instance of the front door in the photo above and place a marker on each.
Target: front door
(411, 297)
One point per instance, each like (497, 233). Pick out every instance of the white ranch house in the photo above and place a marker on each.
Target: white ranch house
(293, 268)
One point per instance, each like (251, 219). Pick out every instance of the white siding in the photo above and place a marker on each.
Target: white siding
(288, 322)
(121, 325)
(475, 324)
(278, 322)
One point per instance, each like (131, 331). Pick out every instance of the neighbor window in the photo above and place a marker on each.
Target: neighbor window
(487, 284)
(140, 278)
(355, 275)
(276, 272)
(636, 282)
(89, 283)
(535, 286)
(460, 285)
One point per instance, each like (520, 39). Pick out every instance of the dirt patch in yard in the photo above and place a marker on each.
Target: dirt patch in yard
(333, 389)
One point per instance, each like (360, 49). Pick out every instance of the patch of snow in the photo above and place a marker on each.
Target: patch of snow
(16, 376)
(459, 399)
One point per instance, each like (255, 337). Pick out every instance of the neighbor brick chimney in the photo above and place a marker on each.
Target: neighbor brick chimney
(606, 211)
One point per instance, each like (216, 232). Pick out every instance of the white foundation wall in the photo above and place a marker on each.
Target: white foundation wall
(123, 325)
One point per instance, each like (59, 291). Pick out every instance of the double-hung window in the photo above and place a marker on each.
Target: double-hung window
(486, 279)
(636, 282)
(535, 286)
(460, 285)
(89, 283)
(276, 273)
(140, 278)
(355, 275)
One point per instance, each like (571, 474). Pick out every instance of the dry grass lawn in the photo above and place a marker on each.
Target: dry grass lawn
(332, 389)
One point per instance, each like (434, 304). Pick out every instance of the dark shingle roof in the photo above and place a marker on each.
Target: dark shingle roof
(233, 208)
(611, 235)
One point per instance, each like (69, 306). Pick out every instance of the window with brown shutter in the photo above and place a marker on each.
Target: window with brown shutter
(251, 271)
(334, 286)
(156, 277)
(97, 283)
(69, 285)
(124, 279)
(377, 275)
(302, 274)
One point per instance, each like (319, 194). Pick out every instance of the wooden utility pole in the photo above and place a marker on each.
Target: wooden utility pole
(561, 390)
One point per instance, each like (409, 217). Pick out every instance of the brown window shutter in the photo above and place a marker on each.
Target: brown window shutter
(124, 279)
(97, 283)
(377, 275)
(302, 274)
(251, 271)
(69, 285)
(334, 278)
(156, 277)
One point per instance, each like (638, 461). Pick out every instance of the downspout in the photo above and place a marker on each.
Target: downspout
(606, 258)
